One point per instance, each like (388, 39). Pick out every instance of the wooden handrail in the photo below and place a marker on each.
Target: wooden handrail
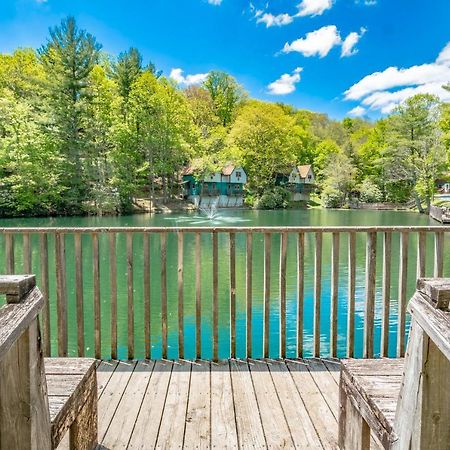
(274, 246)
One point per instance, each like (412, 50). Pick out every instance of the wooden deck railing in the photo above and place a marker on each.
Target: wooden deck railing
(28, 250)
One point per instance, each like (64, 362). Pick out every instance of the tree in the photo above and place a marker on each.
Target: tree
(226, 95)
(68, 58)
(266, 141)
(415, 152)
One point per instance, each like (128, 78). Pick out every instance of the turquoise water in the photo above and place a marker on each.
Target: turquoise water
(227, 218)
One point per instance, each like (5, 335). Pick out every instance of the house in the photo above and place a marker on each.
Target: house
(225, 187)
(443, 185)
(300, 180)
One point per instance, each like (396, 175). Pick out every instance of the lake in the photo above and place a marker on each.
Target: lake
(312, 217)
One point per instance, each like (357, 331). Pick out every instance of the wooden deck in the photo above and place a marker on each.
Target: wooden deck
(233, 404)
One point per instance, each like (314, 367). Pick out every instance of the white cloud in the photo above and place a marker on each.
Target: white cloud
(358, 111)
(318, 42)
(215, 2)
(348, 46)
(177, 75)
(270, 20)
(384, 90)
(370, 2)
(286, 83)
(313, 7)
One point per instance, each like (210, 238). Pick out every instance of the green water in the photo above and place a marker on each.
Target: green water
(226, 218)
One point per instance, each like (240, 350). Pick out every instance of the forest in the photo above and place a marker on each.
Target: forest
(85, 132)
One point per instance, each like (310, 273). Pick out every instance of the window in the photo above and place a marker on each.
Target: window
(309, 177)
(238, 174)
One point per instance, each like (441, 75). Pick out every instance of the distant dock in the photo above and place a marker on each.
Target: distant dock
(440, 214)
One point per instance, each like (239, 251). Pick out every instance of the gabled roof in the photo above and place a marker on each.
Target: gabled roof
(303, 170)
(189, 170)
(228, 169)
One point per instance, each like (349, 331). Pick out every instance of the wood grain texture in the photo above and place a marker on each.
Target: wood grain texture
(97, 303)
(113, 293)
(317, 292)
(79, 287)
(369, 309)
(402, 300)
(9, 254)
(282, 288)
(61, 293)
(351, 294)
(44, 286)
(386, 293)
(300, 291)
(334, 293)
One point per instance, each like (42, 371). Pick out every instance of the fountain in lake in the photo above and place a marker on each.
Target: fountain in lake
(210, 211)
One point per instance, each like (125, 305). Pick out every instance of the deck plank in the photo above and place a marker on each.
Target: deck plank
(147, 424)
(223, 421)
(198, 417)
(276, 429)
(301, 427)
(171, 430)
(248, 421)
(119, 431)
(112, 395)
(320, 413)
(104, 373)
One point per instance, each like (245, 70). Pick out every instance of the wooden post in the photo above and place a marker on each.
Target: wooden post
(248, 291)
(300, 291)
(164, 331)
(317, 292)
(130, 296)
(9, 253)
(43, 247)
(233, 294)
(215, 254)
(61, 293)
(267, 249)
(113, 293)
(351, 294)
(423, 412)
(26, 253)
(180, 296)
(402, 301)
(334, 294)
(198, 295)
(386, 293)
(438, 254)
(369, 314)
(97, 304)
(79, 292)
(147, 291)
(283, 263)
(421, 254)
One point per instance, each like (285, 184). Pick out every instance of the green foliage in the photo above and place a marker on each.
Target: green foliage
(370, 192)
(332, 197)
(276, 198)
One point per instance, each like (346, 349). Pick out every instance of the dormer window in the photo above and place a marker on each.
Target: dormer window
(238, 174)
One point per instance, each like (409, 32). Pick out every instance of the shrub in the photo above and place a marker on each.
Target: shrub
(370, 192)
(276, 198)
(332, 198)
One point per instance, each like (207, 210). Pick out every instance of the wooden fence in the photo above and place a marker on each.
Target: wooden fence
(385, 236)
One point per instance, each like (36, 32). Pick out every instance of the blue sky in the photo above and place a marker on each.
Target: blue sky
(322, 55)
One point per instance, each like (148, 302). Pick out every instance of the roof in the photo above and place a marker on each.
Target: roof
(189, 170)
(303, 170)
(228, 169)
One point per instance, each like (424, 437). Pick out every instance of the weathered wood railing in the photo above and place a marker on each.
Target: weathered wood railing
(291, 249)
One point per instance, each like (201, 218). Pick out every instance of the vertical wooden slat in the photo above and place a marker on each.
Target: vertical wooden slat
(438, 254)
(79, 292)
(283, 263)
(267, 249)
(61, 293)
(351, 294)
(300, 291)
(44, 286)
(97, 306)
(9, 253)
(180, 297)
(147, 286)
(113, 293)
(369, 313)
(163, 240)
(421, 254)
(402, 285)
(386, 293)
(317, 292)
(130, 295)
(334, 293)
(215, 254)
(233, 294)
(198, 295)
(26, 254)
(249, 291)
